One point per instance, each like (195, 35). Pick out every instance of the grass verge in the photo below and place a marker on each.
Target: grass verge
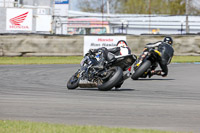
(185, 59)
(73, 60)
(33, 127)
(40, 60)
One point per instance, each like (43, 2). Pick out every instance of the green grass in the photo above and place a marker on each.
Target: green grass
(40, 60)
(33, 127)
(186, 59)
(73, 60)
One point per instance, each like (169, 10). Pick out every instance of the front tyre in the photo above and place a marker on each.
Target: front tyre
(115, 76)
(73, 82)
(139, 71)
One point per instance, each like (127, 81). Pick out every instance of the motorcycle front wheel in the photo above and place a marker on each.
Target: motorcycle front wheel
(113, 78)
(139, 71)
(73, 82)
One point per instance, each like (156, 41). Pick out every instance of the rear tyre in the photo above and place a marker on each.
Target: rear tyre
(141, 70)
(115, 76)
(73, 82)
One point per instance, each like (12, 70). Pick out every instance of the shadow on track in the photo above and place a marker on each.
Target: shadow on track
(152, 79)
(121, 89)
(95, 89)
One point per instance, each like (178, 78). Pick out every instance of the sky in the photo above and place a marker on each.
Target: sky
(196, 3)
(73, 5)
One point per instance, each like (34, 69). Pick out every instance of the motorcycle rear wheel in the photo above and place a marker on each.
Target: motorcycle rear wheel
(115, 77)
(139, 71)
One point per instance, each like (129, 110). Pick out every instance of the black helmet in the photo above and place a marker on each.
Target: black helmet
(168, 40)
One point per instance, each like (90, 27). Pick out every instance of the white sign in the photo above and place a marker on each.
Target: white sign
(94, 42)
(19, 19)
(61, 7)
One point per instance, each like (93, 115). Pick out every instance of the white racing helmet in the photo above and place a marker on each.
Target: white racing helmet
(124, 50)
(122, 43)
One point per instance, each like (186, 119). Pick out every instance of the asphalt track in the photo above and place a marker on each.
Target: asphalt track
(39, 93)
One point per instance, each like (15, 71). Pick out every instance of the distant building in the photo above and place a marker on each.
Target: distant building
(142, 24)
(53, 17)
(33, 16)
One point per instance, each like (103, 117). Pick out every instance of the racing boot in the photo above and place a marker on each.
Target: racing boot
(153, 72)
(118, 86)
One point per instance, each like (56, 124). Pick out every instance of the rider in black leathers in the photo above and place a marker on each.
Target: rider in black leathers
(167, 52)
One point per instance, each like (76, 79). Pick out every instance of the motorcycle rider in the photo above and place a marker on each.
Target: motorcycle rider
(167, 52)
(109, 54)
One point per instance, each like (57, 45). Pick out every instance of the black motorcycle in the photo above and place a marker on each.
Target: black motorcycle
(147, 62)
(113, 74)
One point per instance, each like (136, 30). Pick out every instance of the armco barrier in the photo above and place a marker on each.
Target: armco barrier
(48, 45)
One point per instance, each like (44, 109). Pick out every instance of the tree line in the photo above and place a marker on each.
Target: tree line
(169, 7)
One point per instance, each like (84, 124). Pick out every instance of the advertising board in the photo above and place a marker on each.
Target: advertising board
(19, 19)
(94, 42)
(61, 7)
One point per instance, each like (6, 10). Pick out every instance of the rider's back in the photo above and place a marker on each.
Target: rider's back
(166, 51)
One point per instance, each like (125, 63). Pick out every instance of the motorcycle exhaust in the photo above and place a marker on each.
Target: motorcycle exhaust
(87, 84)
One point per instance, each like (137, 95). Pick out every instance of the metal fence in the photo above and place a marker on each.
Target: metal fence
(131, 24)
